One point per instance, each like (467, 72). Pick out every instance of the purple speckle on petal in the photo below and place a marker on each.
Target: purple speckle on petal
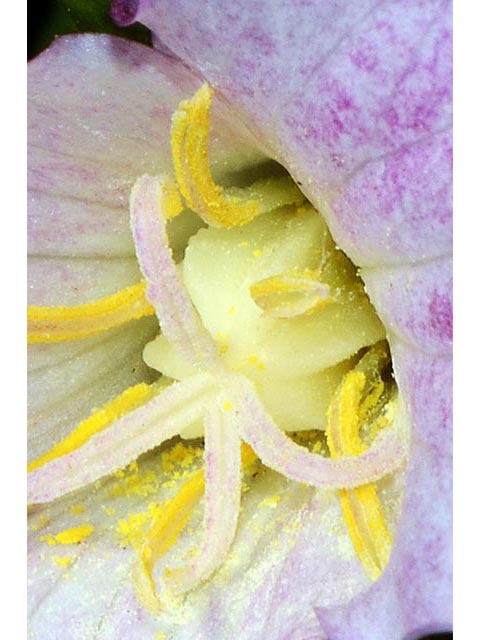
(441, 316)
(364, 57)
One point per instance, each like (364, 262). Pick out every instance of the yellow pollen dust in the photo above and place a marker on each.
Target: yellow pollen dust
(70, 536)
(165, 530)
(55, 324)
(272, 501)
(130, 399)
(361, 506)
(63, 561)
(77, 509)
(291, 294)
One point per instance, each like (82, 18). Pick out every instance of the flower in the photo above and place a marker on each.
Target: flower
(65, 177)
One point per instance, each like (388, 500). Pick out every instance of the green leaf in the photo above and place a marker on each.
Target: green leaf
(52, 18)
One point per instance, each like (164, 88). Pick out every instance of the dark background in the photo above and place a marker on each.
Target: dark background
(51, 18)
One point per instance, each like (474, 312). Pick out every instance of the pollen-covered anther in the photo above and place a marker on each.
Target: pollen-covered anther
(216, 205)
(291, 294)
(56, 324)
(130, 399)
(354, 401)
(166, 529)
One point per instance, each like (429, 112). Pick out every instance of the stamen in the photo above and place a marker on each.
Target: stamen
(291, 294)
(361, 506)
(127, 401)
(55, 324)
(163, 534)
(189, 138)
(165, 531)
(216, 205)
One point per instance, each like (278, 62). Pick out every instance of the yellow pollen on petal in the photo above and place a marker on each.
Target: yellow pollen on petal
(271, 501)
(130, 399)
(77, 509)
(291, 294)
(63, 561)
(164, 532)
(361, 506)
(74, 535)
(43, 521)
(56, 324)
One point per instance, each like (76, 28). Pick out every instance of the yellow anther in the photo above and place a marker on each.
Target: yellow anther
(189, 138)
(165, 530)
(127, 401)
(55, 324)
(75, 535)
(291, 294)
(216, 205)
(163, 534)
(343, 417)
(361, 507)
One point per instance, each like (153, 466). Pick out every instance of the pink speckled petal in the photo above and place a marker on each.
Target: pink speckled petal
(94, 131)
(344, 93)
(354, 98)
(415, 302)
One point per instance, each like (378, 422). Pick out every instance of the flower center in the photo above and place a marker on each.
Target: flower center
(265, 328)
(284, 305)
